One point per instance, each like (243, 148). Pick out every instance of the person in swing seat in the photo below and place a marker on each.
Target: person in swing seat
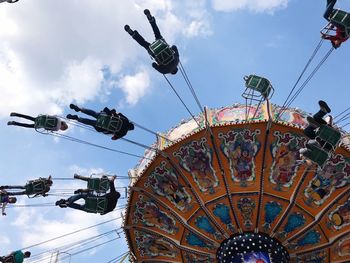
(110, 198)
(126, 125)
(340, 31)
(58, 124)
(6, 199)
(164, 64)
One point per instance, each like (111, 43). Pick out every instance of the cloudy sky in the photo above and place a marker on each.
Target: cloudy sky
(53, 53)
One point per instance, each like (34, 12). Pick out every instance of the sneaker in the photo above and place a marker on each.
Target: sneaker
(72, 117)
(129, 30)
(76, 176)
(13, 114)
(11, 123)
(74, 107)
(324, 107)
(61, 203)
(78, 191)
(148, 14)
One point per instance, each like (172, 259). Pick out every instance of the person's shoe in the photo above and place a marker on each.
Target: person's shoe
(76, 176)
(148, 14)
(61, 203)
(72, 117)
(129, 30)
(78, 191)
(324, 107)
(13, 114)
(11, 123)
(74, 107)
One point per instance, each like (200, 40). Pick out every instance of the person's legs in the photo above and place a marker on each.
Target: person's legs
(153, 23)
(89, 112)
(82, 120)
(84, 178)
(26, 125)
(318, 116)
(14, 114)
(71, 201)
(329, 8)
(138, 38)
(309, 131)
(17, 193)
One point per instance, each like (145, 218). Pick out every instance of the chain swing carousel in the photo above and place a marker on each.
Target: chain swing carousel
(235, 188)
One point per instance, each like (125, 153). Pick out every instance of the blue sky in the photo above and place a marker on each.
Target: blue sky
(53, 53)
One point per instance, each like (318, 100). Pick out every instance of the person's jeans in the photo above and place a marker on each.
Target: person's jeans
(71, 201)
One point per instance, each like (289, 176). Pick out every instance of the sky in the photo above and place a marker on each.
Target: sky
(53, 53)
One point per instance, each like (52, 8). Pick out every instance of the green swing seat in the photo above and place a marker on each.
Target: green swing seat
(96, 204)
(257, 88)
(35, 187)
(339, 17)
(162, 52)
(45, 122)
(109, 123)
(316, 154)
(99, 185)
(328, 134)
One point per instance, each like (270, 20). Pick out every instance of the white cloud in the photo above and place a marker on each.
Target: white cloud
(52, 53)
(135, 86)
(253, 5)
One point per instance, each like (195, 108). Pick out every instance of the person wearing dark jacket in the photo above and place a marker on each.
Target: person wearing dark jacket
(165, 66)
(111, 198)
(125, 126)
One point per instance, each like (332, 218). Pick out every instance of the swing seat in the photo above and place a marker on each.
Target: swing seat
(162, 52)
(36, 187)
(342, 18)
(99, 185)
(112, 124)
(316, 154)
(257, 88)
(45, 122)
(95, 204)
(328, 134)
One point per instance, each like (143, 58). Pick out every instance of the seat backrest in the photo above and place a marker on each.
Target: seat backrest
(95, 204)
(109, 123)
(260, 84)
(340, 17)
(316, 155)
(45, 122)
(100, 185)
(329, 134)
(162, 52)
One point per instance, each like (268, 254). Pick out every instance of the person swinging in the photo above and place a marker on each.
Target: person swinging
(341, 34)
(5, 199)
(32, 188)
(15, 257)
(47, 122)
(166, 57)
(106, 121)
(101, 204)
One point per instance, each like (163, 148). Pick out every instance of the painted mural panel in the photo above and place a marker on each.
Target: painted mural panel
(196, 157)
(286, 159)
(150, 214)
(240, 147)
(165, 182)
(334, 175)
